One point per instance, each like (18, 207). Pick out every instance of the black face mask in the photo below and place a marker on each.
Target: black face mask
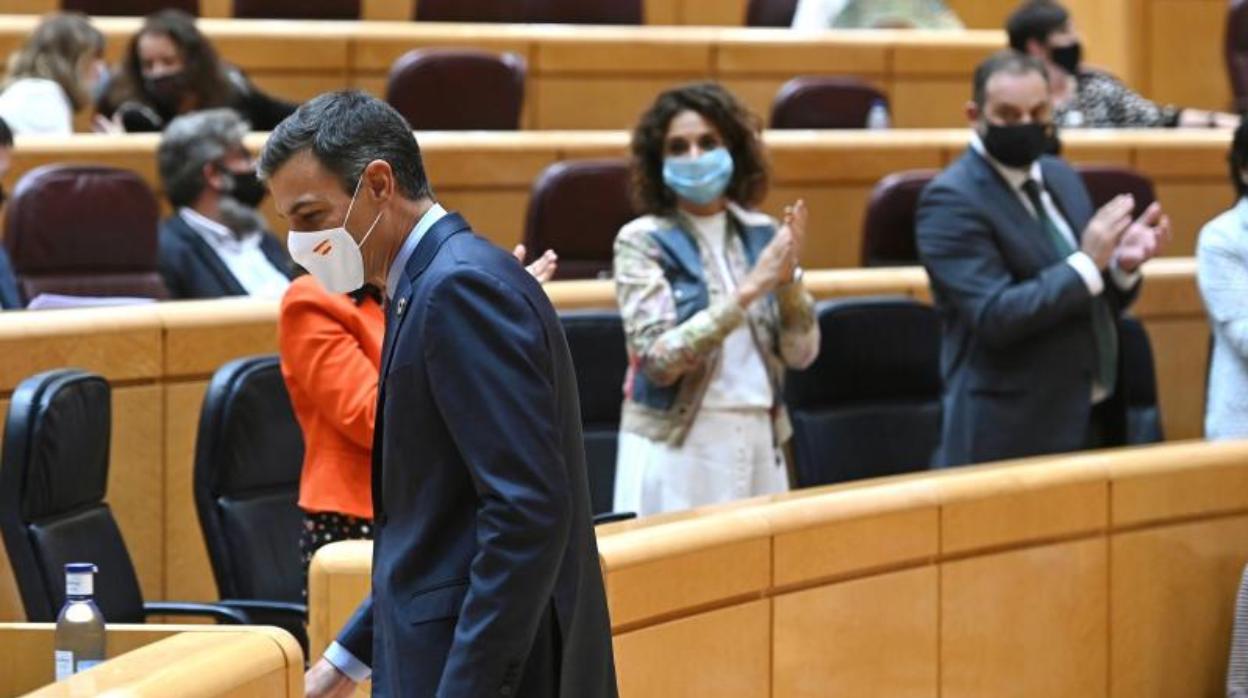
(248, 189)
(166, 90)
(1018, 145)
(1068, 57)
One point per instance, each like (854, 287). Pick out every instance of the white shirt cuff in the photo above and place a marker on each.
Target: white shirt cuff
(1123, 280)
(346, 662)
(1087, 270)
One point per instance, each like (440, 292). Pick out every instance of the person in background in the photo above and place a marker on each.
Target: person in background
(874, 14)
(1028, 280)
(55, 74)
(171, 68)
(714, 310)
(330, 349)
(1222, 274)
(215, 243)
(1088, 98)
(10, 299)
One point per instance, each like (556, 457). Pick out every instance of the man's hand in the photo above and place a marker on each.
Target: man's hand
(324, 680)
(544, 268)
(1143, 239)
(1105, 230)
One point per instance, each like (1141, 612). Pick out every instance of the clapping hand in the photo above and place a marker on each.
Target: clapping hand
(1143, 239)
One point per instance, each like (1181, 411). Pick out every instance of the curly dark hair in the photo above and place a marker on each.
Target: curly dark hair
(737, 126)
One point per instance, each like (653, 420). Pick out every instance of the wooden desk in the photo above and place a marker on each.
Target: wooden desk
(488, 176)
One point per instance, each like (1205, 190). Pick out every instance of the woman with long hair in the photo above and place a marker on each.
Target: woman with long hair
(53, 76)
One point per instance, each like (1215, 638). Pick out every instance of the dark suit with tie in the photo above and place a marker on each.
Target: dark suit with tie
(191, 269)
(486, 580)
(1019, 350)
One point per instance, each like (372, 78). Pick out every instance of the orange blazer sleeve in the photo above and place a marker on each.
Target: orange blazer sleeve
(328, 363)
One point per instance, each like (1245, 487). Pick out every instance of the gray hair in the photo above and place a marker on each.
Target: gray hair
(189, 143)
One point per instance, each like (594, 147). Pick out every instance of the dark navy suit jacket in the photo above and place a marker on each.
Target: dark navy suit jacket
(486, 580)
(10, 298)
(191, 269)
(1018, 350)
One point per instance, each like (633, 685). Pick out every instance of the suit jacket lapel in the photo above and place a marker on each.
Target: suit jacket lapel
(1023, 225)
(210, 259)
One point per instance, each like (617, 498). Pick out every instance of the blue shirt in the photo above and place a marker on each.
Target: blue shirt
(433, 215)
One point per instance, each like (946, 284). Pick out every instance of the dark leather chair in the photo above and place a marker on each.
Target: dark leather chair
(888, 228)
(53, 481)
(297, 9)
(770, 13)
(1104, 182)
(1140, 383)
(128, 8)
(248, 458)
(576, 209)
(600, 359)
(870, 404)
(1235, 46)
(426, 86)
(540, 11)
(83, 230)
(824, 102)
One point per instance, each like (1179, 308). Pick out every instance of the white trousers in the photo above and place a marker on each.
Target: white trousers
(727, 455)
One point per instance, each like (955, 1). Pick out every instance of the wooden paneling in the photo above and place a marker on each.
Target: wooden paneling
(1026, 623)
(837, 548)
(1183, 53)
(724, 653)
(868, 637)
(136, 481)
(1039, 514)
(188, 573)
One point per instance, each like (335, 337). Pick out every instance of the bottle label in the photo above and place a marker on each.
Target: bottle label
(88, 663)
(79, 584)
(64, 664)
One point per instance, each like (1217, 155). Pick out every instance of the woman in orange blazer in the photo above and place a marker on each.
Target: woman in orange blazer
(330, 348)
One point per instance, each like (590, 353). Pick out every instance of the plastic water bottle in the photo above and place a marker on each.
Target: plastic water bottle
(80, 626)
(877, 115)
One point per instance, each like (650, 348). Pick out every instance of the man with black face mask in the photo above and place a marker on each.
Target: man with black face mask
(215, 244)
(1030, 282)
(1091, 98)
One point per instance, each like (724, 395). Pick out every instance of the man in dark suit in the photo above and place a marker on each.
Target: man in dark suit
(1030, 282)
(215, 243)
(486, 579)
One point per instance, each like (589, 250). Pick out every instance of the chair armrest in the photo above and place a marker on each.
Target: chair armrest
(613, 516)
(227, 616)
(299, 611)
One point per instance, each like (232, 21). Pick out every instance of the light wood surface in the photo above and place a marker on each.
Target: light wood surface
(158, 660)
(487, 177)
(993, 600)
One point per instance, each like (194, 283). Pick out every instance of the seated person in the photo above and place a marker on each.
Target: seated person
(874, 14)
(170, 68)
(53, 75)
(215, 243)
(10, 299)
(1091, 98)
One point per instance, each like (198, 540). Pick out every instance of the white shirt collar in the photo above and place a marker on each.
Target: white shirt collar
(1013, 175)
(213, 232)
(427, 221)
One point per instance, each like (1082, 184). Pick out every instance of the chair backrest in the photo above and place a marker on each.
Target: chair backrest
(128, 8)
(870, 404)
(540, 11)
(813, 101)
(1104, 182)
(248, 457)
(888, 227)
(297, 9)
(426, 86)
(83, 230)
(53, 481)
(770, 13)
(1235, 45)
(576, 208)
(599, 356)
(1140, 383)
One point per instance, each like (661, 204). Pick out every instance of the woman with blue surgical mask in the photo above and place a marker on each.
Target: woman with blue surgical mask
(714, 310)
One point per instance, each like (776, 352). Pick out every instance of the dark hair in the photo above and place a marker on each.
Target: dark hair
(6, 135)
(1005, 61)
(1238, 158)
(1035, 19)
(345, 131)
(736, 125)
(205, 73)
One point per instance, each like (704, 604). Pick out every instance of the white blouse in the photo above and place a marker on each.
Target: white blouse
(36, 107)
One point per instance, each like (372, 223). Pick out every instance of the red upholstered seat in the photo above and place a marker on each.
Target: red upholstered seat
(428, 87)
(297, 9)
(824, 102)
(576, 209)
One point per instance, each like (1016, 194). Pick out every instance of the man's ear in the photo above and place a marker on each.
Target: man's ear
(379, 180)
(972, 113)
(1037, 49)
(213, 176)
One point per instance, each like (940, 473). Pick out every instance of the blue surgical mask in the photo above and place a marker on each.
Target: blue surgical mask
(702, 179)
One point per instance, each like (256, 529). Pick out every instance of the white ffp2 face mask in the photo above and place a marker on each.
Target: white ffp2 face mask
(332, 256)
